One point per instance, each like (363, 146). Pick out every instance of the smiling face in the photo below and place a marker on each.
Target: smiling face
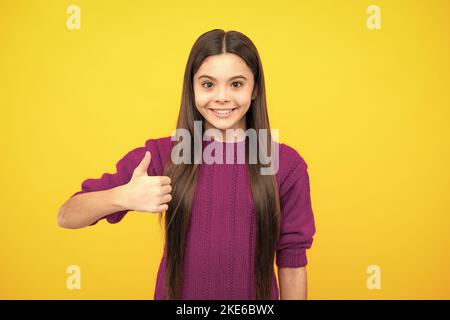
(223, 87)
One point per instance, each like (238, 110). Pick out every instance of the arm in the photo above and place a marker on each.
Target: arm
(293, 283)
(84, 209)
(142, 193)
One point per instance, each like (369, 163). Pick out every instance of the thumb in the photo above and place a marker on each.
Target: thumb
(141, 169)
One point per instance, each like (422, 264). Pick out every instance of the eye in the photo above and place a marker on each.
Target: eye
(240, 84)
(203, 84)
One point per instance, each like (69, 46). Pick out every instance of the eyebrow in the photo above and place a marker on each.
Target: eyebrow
(232, 78)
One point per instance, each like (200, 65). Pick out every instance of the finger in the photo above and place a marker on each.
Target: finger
(163, 207)
(166, 189)
(164, 180)
(166, 198)
(142, 168)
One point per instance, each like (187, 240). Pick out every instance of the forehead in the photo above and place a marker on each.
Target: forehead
(224, 66)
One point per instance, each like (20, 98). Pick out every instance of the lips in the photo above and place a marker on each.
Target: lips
(222, 113)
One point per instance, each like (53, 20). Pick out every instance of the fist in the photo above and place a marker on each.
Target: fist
(146, 193)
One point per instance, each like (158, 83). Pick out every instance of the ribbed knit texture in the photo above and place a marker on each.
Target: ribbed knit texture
(221, 240)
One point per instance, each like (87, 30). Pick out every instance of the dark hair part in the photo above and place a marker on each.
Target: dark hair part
(184, 176)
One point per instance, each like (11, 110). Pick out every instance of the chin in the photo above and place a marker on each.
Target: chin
(221, 125)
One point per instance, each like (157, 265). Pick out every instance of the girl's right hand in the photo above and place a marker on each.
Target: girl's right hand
(144, 193)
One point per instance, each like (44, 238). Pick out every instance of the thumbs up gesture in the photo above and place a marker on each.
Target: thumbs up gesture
(146, 193)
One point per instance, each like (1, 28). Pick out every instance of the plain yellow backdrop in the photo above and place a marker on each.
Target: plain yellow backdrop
(367, 109)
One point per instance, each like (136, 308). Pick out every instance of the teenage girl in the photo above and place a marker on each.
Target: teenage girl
(225, 223)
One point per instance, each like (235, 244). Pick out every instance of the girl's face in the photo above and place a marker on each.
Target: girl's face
(223, 87)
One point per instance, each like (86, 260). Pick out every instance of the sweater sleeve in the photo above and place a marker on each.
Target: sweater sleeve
(297, 225)
(124, 170)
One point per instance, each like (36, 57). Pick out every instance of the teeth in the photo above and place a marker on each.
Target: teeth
(222, 111)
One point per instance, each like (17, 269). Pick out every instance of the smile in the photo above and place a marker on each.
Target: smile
(222, 113)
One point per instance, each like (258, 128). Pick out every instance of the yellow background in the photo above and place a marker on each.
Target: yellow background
(367, 109)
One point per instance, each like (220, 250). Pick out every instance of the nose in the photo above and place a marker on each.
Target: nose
(222, 100)
(221, 96)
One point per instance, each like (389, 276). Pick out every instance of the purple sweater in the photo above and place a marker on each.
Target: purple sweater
(221, 241)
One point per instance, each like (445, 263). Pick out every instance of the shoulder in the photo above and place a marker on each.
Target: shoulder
(159, 148)
(292, 165)
(291, 157)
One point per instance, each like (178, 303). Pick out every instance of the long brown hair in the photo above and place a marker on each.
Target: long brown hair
(184, 176)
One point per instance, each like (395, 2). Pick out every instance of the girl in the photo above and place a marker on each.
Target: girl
(224, 222)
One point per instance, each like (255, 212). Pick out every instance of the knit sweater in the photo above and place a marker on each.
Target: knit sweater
(221, 239)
